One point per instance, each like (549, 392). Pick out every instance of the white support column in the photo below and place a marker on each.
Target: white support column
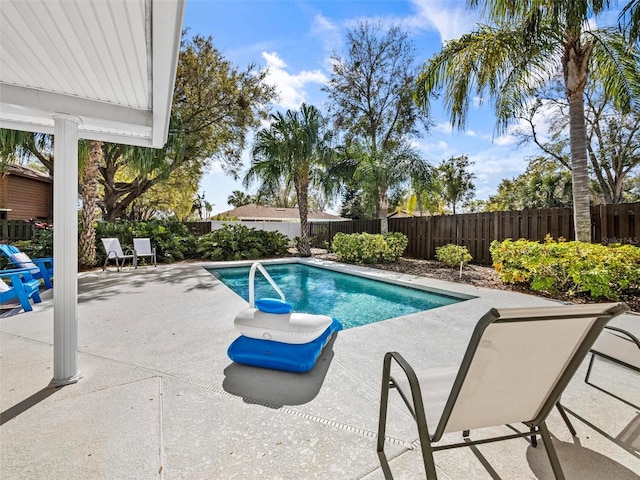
(65, 250)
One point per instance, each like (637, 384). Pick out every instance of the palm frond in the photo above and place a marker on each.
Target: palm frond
(616, 66)
(630, 20)
(502, 63)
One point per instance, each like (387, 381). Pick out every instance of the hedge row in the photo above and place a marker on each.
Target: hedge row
(173, 241)
(569, 268)
(369, 248)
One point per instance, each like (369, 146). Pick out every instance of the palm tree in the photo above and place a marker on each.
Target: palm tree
(89, 192)
(295, 148)
(238, 198)
(630, 18)
(378, 172)
(528, 43)
(16, 144)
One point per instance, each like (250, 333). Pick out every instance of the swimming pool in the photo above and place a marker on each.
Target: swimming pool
(353, 300)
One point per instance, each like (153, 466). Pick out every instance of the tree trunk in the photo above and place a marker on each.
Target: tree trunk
(381, 212)
(89, 193)
(575, 74)
(303, 207)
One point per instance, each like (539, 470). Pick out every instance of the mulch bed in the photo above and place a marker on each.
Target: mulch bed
(477, 275)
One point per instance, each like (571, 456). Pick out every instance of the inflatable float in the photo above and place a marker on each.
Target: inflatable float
(273, 336)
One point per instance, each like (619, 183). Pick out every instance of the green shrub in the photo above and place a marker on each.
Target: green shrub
(568, 267)
(369, 248)
(453, 255)
(171, 238)
(40, 246)
(238, 242)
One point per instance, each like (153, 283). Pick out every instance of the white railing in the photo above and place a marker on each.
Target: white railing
(252, 274)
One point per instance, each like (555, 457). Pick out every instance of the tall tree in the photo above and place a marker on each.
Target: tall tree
(295, 148)
(172, 197)
(524, 46)
(613, 139)
(370, 94)
(613, 147)
(380, 174)
(544, 184)
(355, 204)
(457, 181)
(214, 105)
(17, 145)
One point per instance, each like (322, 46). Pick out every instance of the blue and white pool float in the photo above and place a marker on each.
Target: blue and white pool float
(274, 336)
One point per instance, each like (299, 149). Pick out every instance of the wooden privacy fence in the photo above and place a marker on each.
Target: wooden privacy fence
(199, 228)
(610, 224)
(15, 230)
(322, 232)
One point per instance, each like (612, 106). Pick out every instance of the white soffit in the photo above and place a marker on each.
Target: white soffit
(110, 62)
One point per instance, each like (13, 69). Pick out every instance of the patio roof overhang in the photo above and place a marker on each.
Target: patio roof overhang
(95, 69)
(111, 63)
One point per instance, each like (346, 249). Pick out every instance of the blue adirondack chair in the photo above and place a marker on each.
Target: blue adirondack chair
(39, 267)
(22, 286)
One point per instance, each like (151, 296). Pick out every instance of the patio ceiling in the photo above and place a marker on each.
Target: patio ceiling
(111, 63)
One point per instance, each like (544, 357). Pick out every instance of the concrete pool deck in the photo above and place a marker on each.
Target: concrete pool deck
(159, 398)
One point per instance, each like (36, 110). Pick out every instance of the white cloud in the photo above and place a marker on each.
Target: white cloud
(444, 127)
(290, 87)
(496, 163)
(273, 60)
(434, 152)
(504, 140)
(470, 133)
(450, 19)
(477, 101)
(328, 32)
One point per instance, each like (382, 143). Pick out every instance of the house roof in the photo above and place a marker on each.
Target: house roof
(22, 171)
(403, 214)
(112, 64)
(259, 212)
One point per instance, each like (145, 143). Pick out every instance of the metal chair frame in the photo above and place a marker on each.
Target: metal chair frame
(598, 314)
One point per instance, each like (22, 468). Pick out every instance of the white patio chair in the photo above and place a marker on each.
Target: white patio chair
(142, 248)
(114, 252)
(517, 364)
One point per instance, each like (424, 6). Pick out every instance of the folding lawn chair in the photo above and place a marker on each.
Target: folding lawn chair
(517, 364)
(114, 252)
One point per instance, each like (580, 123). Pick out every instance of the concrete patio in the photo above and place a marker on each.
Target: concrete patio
(159, 398)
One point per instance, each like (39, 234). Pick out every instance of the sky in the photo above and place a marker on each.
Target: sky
(294, 40)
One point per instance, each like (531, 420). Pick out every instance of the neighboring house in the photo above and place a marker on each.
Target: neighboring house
(258, 213)
(403, 214)
(26, 194)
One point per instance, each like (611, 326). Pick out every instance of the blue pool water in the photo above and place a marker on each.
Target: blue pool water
(351, 299)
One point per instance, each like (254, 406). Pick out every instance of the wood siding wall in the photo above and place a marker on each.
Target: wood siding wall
(26, 198)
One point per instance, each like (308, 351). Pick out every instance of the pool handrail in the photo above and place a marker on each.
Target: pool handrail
(252, 274)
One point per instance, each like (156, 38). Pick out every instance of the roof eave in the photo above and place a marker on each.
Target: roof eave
(29, 109)
(166, 33)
